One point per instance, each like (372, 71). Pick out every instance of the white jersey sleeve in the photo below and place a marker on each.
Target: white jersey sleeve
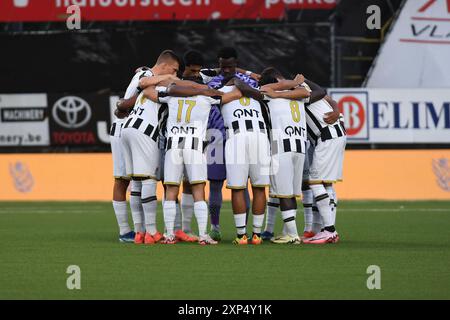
(133, 87)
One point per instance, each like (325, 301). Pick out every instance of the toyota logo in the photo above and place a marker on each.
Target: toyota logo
(71, 112)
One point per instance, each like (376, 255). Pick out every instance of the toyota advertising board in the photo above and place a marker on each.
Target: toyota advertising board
(79, 119)
(395, 115)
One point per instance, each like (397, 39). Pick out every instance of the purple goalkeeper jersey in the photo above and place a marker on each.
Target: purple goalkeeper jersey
(217, 81)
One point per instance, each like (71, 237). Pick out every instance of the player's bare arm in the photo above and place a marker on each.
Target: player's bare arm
(295, 94)
(124, 105)
(248, 91)
(333, 116)
(236, 94)
(187, 91)
(151, 93)
(155, 80)
(317, 92)
(192, 84)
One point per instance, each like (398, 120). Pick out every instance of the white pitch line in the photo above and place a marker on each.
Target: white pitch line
(92, 210)
(395, 210)
(21, 211)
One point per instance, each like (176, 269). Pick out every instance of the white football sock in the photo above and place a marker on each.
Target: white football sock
(187, 208)
(170, 211)
(239, 220)
(137, 212)
(323, 203)
(120, 209)
(333, 202)
(272, 207)
(258, 221)
(307, 209)
(201, 214)
(289, 222)
(177, 225)
(317, 224)
(149, 204)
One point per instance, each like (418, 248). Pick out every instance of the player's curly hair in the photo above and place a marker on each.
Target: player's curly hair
(193, 58)
(270, 75)
(227, 53)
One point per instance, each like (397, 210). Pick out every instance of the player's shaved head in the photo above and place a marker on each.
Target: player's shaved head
(270, 75)
(168, 56)
(168, 63)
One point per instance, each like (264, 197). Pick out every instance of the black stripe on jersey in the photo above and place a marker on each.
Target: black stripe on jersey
(127, 123)
(205, 144)
(262, 127)
(155, 135)
(235, 125)
(343, 127)
(148, 131)
(113, 129)
(194, 143)
(321, 197)
(338, 130)
(137, 123)
(273, 204)
(325, 134)
(313, 118)
(209, 72)
(169, 143)
(298, 144)
(265, 111)
(249, 125)
(181, 142)
(287, 145)
(311, 134)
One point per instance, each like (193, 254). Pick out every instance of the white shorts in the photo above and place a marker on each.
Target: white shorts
(188, 162)
(328, 160)
(286, 177)
(119, 170)
(141, 154)
(247, 155)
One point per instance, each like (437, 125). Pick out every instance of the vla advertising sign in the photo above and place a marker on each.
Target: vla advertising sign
(416, 51)
(395, 115)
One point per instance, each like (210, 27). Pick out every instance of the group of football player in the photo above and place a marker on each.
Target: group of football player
(183, 124)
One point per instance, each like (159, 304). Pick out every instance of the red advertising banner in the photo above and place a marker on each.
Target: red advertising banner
(110, 10)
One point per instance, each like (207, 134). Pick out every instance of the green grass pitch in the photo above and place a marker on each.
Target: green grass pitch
(409, 241)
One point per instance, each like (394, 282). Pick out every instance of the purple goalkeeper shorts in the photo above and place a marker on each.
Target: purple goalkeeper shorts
(216, 147)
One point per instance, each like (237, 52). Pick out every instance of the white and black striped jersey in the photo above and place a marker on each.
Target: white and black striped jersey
(243, 115)
(187, 120)
(288, 121)
(133, 88)
(116, 127)
(316, 125)
(147, 115)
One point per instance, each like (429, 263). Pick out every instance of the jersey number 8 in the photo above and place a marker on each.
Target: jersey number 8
(295, 111)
